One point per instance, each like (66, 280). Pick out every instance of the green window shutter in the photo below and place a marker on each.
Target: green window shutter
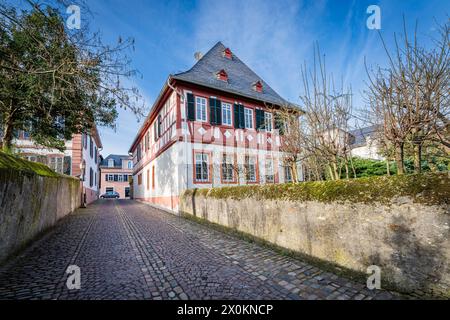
(159, 126)
(190, 107)
(236, 116)
(241, 117)
(215, 111)
(218, 112)
(212, 110)
(279, 124)
(259, 119)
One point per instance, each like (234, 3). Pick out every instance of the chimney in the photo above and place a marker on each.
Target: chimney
(198, 55)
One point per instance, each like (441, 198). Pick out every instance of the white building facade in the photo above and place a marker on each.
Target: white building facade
(81, 158)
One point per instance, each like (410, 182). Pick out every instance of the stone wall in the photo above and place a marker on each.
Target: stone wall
(407, 239)
(31, 203)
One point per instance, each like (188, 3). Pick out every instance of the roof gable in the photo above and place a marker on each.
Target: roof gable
(361, 134)
(241, 78)
(116, 158)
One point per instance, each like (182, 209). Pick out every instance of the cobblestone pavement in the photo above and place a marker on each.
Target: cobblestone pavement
(129, 250)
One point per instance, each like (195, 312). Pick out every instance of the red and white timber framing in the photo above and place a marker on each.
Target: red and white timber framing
(165, 158)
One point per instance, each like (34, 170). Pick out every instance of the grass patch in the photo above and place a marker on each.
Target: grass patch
(14, 163)
(428, 188)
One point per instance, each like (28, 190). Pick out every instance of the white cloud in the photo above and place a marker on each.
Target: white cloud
(272, 38)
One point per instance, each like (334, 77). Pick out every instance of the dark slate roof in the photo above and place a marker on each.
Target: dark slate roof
(361, 134)
(117, 160)
(240, 76)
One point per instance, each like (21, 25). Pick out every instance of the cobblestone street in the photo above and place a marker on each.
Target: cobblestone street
(129, 250)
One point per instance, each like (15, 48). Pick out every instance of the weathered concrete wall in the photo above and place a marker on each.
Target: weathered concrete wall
(409, 241)
(29, 204)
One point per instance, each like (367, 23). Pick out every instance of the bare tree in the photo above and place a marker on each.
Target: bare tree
(324, 137)
(409, 99)
(288, 123)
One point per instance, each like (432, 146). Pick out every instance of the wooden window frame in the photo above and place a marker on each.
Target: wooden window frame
(272, 160)
(206, 109)
(252, 118)
(256, 169)
(194, 176)
(266, 116)
(234, 180)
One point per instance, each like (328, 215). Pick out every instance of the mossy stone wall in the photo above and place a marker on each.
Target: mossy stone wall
(31, 203)
(401, 224)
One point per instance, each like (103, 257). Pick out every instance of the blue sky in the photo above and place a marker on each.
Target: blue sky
(274, 38)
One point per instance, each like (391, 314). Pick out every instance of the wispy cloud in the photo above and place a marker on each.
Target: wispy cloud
(274, 38)
(271, 37)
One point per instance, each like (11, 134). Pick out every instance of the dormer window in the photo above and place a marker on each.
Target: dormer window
(111, 163)
(257, 86)
(222, 75)
(227, 53)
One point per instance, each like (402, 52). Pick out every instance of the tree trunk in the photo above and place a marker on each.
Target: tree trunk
(388, 169)
(399, 155)
(347, 175)
(418, 158)
(336, 171)
(353, 167)
(7, 138)
(331, 172)
(294, 173)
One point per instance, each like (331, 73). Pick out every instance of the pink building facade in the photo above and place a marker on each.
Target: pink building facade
(116, 172)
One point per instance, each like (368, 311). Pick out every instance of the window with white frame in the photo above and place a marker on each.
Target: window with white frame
(248, 118)
(130, 165)
(227, 168)
(201, 167)
(287, 174)
(226, 114)
(200, 109)
(56, 164)
(111, 163)
(269, 171)
(250, 168)
(268, 121)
